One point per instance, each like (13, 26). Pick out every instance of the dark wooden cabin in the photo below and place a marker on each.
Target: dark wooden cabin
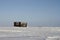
(20, 24)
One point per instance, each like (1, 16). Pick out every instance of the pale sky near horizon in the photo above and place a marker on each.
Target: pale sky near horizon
(35, 12)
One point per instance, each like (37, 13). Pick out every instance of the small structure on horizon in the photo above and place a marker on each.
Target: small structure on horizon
(20, 24)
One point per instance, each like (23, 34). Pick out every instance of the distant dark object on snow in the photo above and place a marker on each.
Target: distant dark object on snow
(20, 24)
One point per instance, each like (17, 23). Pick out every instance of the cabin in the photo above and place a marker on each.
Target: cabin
(20, 24)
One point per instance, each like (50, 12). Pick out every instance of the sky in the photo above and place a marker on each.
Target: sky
(34, 12)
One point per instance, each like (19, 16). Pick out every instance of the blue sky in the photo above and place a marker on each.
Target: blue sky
(35, 12)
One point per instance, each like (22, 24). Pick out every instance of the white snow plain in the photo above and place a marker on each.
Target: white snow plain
(29, 33)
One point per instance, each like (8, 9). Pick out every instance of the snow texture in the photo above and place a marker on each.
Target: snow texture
(29, 33)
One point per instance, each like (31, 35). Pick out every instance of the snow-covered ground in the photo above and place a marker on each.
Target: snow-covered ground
(29, 33)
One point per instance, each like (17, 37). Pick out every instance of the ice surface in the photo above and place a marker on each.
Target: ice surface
(28, 33)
